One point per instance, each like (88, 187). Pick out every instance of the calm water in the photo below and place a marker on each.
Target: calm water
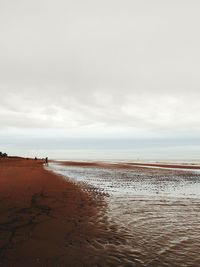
(156, 213)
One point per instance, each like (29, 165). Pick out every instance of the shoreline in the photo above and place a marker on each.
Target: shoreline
(44, 219)
(47, 220)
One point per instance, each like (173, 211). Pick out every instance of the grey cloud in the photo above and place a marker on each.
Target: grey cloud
(99, 68)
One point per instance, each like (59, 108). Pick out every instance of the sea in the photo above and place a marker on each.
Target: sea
(155, 211)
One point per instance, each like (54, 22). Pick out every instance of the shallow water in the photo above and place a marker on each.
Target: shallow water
(156, 213)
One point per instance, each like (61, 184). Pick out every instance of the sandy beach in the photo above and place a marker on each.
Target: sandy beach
(97, 214)
(44, 220)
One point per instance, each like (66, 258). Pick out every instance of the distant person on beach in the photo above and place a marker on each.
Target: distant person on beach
(46, 160)
(35, 158)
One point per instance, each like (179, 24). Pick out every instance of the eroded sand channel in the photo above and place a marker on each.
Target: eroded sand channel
(155, 213)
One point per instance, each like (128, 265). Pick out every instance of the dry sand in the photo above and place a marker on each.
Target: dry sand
(45, 220)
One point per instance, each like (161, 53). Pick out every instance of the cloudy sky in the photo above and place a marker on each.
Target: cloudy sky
(100, 75)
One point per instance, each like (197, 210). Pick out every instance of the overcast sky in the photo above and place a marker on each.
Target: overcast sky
(75, 73)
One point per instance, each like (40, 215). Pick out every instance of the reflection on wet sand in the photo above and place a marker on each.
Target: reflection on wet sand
(152, 215)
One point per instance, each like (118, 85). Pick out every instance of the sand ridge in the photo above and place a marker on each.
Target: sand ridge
(129, 165)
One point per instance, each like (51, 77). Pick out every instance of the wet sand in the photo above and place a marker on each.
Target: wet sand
(45, 220)
(97, 214)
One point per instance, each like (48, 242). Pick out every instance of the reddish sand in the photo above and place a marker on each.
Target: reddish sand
(48, 221)
(45, 220)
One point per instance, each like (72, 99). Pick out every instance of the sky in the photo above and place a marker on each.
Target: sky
(103, 76)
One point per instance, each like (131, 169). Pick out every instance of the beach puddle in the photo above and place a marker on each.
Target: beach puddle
(152, 215)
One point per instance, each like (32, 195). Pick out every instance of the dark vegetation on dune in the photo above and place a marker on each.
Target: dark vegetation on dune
(3, 155)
